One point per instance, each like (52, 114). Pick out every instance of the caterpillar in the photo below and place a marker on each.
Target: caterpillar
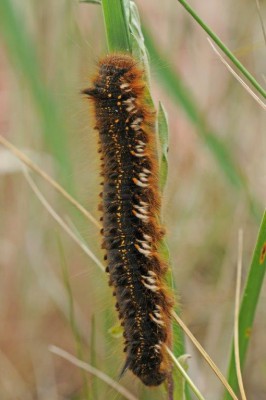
(130, 205)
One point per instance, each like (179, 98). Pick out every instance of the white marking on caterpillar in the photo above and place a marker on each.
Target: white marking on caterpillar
(143, 175)
(151, 273)
(130, 108)
(153, 288)
(139, 183)
(157, 348)
(145, 218)
(143, 210)
(138, 154)
(124, 85)
(129, 101)
(136, 122)
(146, 171)
(146, 253)
(143, 203)
(145, 245)
(135, 127)
(141, 143)
(156, 320)
(143, 179)
(148, 279)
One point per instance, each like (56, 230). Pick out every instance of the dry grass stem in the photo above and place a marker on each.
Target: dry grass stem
(261, 20)
(30, 164)
(60, 221)
(94, 371)
(205, 355)
(240, 80)
(237, 305)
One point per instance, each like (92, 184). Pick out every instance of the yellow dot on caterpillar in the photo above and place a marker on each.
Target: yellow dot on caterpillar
(119, 103)
(116, 121)
(109, 94)
(119, 97)
(127, 128)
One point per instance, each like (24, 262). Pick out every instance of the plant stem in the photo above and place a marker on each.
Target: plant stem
(223, 47)
(117, 32)
(249, 304)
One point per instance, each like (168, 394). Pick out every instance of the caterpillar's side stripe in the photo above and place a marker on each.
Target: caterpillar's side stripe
(130, 204)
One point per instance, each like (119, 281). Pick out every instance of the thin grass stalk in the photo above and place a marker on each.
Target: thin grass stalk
(249, 304)
(34, 167)
(206, 356)
(72, 318)
(261, 20)
(224, 48)
(240, 80)
(237, 302)
(221, 153)
(87, 367)
(60, 221)
(186, 377)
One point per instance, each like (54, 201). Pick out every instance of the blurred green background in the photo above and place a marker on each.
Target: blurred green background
(48, 53)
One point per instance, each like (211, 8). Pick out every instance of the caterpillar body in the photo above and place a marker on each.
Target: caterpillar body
(131, 204)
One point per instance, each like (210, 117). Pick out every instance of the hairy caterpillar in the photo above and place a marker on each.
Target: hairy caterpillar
(131, 204)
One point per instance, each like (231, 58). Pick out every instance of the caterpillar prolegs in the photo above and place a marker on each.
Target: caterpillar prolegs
(130, 205)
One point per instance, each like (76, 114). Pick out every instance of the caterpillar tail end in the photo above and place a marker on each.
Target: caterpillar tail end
(124, 369)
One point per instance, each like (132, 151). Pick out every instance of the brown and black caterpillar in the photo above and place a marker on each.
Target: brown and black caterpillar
(131, 204)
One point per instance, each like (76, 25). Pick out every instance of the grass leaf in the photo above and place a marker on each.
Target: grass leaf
(116, 27)
(223, 47)
(91, 1)
(180, 382)
(175, 87)
(22, 52)
(249, 304)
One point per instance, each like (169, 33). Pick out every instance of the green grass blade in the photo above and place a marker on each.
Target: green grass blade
(116, 27)
(180, 93)
(175, 87)
(181, 383)
(22, 53)
(223, 47)
(91, 1)
(249, 304)
(182, 370)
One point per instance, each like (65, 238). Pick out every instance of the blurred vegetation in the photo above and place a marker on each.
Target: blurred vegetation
(51, 293)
